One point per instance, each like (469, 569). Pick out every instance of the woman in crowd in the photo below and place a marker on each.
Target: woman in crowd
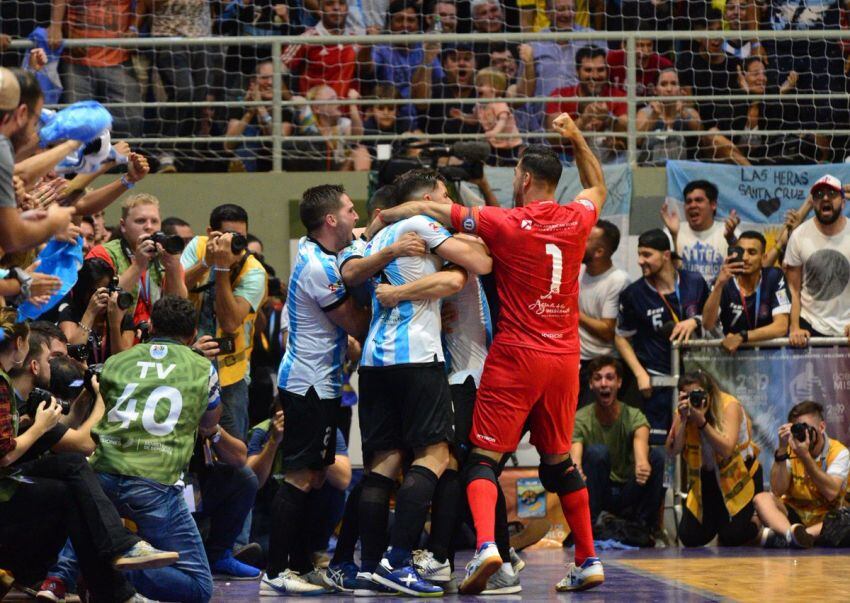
(713, 434)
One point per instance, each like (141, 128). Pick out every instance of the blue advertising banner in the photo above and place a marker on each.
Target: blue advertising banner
(769, 381)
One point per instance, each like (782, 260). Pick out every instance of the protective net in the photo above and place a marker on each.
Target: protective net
(721, 87)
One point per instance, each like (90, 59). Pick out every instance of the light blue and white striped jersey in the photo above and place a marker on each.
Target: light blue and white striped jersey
(315, 346)
(410, 332)
(362, 294)
(467, 332)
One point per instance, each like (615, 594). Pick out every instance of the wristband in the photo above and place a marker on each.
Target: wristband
(777, 457)
(84, 328)
(126, 183)
(24, 278)
(220, 269)
(745, 335)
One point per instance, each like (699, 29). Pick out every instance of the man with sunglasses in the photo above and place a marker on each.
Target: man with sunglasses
(817, 266)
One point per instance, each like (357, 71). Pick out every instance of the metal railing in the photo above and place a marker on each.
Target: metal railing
(276, 44)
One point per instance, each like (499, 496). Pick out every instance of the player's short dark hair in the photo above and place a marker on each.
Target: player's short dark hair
(542, 163)
(755, 235)
(317, 202)
(382, 198)
(173, 316)
(610, 235)
(706, 186)
(601, 362)
(228, 212)
(30, 89)
(170, 224)
(51, 330)
(806, 407)
(589, 52)
(38, 341)
(415, 183)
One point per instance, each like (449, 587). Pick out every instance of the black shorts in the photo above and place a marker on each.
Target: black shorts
(404, 407)
(309, 435)
(463, 400)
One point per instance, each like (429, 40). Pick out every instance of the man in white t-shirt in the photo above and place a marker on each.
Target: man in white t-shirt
(600, 285)
(702, 242)
(817, 268)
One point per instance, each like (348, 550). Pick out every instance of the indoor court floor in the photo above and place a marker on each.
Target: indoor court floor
(673, 574)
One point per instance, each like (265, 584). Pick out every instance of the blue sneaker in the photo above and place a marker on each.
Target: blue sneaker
(228, 568)
(342, 577)
(405, 580)
(365, 586)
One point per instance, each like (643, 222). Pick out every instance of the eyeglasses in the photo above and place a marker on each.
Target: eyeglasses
(822, 193)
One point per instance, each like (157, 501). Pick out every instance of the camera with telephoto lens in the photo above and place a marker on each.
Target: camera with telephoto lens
(37, 396)
(172, 244)
(799, 431)
(697, 398)
(471, 153)
(92, 371)
(125, 298)
(238, 243)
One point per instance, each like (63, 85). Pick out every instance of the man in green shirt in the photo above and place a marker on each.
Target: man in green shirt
(611, 449)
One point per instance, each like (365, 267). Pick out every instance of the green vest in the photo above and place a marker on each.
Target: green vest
(122, 262)
(155, 394)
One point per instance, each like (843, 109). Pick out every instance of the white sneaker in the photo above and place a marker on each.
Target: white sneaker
(484, 564)
(517, 562)
(288, 583)
(501, 583)
(430, 569)
(587, 575)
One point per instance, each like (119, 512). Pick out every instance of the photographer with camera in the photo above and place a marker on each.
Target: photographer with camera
(93, 316)
(751, 302)
(713, 434)
(47, 500)
(146, 261)
(227, 285)
(807, 480)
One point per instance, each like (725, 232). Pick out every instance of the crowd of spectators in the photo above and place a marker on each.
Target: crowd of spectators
(742, 132)
(155, 359)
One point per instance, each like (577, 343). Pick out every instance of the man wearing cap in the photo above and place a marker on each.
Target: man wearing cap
(663, 306)
(817, 266)
(21, 101)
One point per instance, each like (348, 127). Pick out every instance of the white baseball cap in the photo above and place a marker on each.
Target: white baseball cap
(829, 182)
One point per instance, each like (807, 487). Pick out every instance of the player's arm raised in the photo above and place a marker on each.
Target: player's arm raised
(589, 168)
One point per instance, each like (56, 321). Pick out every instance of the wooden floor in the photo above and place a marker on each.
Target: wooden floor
(708, 574)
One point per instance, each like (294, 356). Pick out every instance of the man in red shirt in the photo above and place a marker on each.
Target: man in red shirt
(531, 372)
(331, 64)
(650, 64)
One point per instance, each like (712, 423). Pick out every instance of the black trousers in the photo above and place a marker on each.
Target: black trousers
(730, 531)
(62, 499)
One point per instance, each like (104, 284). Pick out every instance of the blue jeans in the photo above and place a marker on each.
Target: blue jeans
(628, 500)
(163, 520)
(234, 409)
(227, 496)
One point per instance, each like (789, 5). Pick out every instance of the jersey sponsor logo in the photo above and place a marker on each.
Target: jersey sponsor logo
(586, 204)
(486, 438)
(159, 351)
(525, 224)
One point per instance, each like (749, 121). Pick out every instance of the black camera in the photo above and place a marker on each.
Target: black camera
(472, 154)
(238, 243)
(144, 330)
(37, 396)
(92, 371)
(799, 431)
(698, 398)
(125, 298)
(172, 244)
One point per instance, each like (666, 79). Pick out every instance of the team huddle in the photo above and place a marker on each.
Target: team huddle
(440, 396)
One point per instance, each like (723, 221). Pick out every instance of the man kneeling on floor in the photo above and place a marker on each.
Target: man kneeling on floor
(807, 480)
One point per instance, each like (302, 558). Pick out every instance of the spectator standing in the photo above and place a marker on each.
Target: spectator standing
(714, 435)
(664, 305)
(600, 285)
(702, 241)
(751, 302)
(611, 449)
(188, 73)
(318, 64)
(227, 287)
(101, 73)
(664, 121)
(807, 480)
(457, 82)
(521, 84)
(817, 265)
(443, 12)
(650, 65)
(142, 265)
(488, 17)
